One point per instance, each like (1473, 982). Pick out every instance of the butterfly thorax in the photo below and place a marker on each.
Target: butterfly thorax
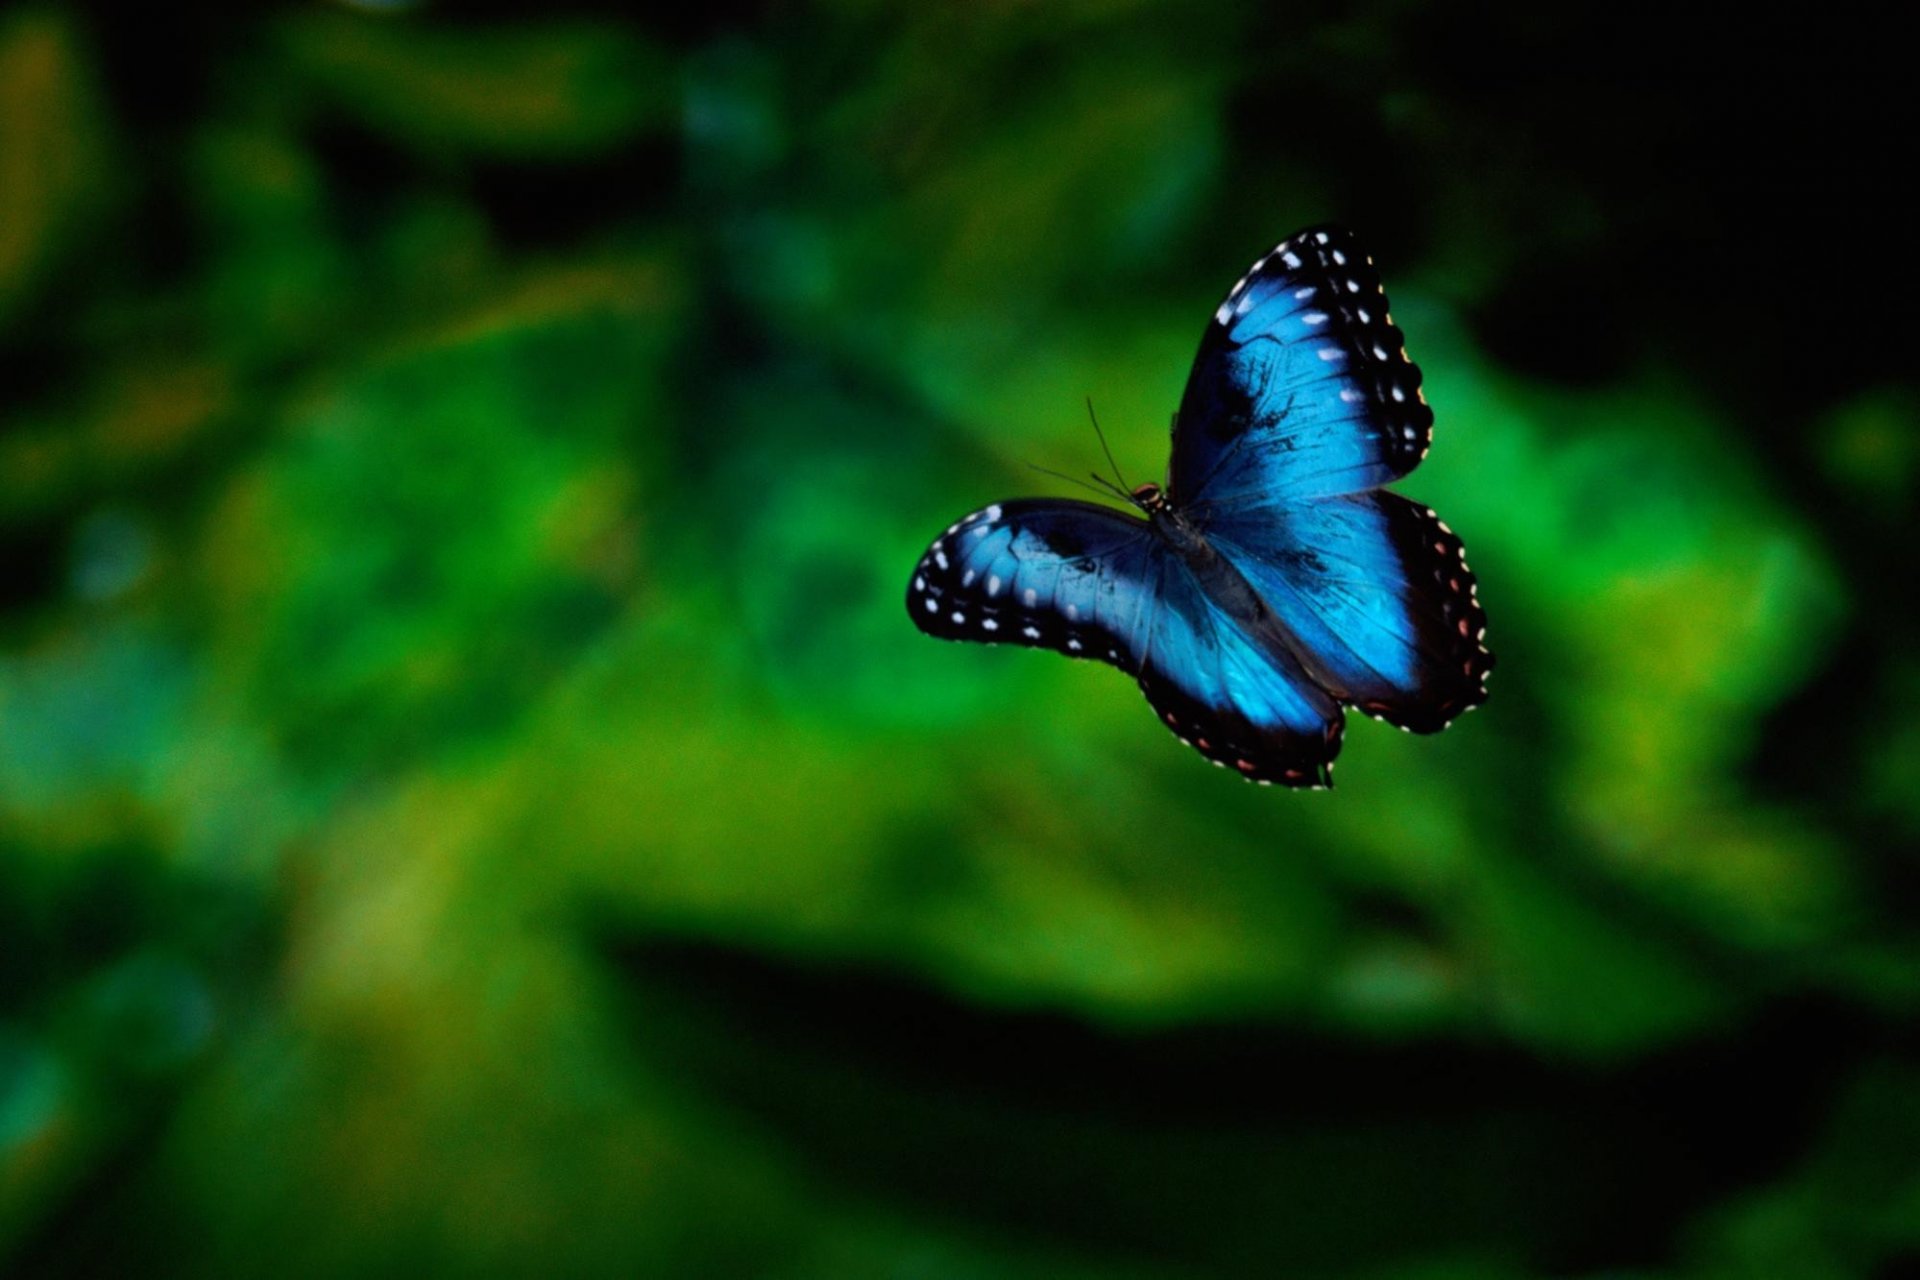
(1170, 523)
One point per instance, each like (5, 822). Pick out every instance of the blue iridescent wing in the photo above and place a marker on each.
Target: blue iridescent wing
(1376, 593)
(1091, 582)
(1046, 573)
(1244, 703)
(1300, 405)
(1302, 388)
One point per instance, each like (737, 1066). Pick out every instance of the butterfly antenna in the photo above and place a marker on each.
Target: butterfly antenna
(1061, 475)
(1125, 489)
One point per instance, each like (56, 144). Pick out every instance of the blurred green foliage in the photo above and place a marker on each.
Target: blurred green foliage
(471, 803)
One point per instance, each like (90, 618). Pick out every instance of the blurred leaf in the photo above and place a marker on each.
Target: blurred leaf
(145, 413)
(1870, 449)
(516, 90)
(416, 560)
(53, 150)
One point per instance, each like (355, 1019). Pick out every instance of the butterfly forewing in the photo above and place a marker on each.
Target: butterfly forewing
(1301, 388)
(1047, 573)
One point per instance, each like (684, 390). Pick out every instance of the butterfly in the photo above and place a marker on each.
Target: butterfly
(1272, 582)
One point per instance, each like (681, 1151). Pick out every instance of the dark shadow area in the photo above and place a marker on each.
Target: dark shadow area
(1238, 1147)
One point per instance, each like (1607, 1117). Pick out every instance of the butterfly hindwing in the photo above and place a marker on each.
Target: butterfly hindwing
(1377, 594)
(1231, 694)
(1301, 388)
(1090, 582)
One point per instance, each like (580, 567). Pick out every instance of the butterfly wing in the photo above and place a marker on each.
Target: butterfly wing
(1046, 573)
(1376, 593)
(1242, 701)
(1090, 582)
(1301, 403)
(1302, 388)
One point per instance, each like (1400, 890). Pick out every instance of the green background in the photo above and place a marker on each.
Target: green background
(472, 803)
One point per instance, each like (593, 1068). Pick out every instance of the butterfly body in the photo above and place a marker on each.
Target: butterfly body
(1273, 582)
(1224, 587)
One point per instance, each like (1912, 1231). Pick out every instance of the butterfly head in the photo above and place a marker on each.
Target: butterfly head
(1150, 498)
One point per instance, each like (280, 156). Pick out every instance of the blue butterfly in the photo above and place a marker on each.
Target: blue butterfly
(1273, 582)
